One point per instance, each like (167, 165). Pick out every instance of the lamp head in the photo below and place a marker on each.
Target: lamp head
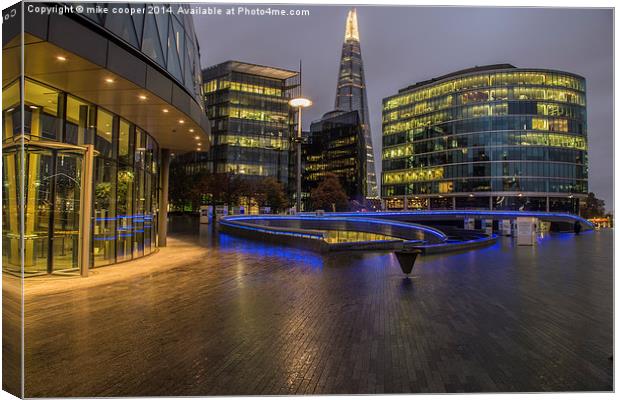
(300, 102)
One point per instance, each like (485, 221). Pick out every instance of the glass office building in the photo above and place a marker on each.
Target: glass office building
(247, 105)
(336, 144)
(90, 119)
(491, 137)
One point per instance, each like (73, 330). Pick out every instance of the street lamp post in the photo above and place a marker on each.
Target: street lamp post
(299, 103)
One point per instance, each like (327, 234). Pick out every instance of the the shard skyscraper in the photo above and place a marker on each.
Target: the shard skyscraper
(351, 93)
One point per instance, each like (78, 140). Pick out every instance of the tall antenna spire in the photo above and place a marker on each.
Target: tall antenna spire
(351, 32)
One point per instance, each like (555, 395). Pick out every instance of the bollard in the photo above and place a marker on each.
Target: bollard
(406, 259)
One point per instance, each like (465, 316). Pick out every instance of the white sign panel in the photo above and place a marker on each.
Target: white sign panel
(526, 231)
(505, 225)
(205, 214)
(488, 226)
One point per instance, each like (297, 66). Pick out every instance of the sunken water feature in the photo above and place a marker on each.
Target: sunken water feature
(339, 233)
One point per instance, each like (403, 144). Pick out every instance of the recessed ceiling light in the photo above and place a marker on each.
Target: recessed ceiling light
(61, 58)
(34, 107)
(109, 80)
(181, 121)
(191, 130)
(108, 133)
(196, 137)
(142, 97)
(199, 144)
(165, 110)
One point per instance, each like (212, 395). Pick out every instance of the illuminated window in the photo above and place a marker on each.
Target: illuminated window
(125, 142)
(80, 116)
(104, 139)
(558, 125)
(210, 86)
(258, 115)
(445, 187)
(41, 111)
(413, 175)
(11, 110)
(540, 124)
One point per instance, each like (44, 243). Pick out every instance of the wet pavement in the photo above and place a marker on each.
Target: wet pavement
(231, 316)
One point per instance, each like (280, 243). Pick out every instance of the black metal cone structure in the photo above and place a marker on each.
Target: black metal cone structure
(406, 259)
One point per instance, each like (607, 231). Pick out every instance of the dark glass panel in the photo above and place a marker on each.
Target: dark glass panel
(151, 44)
(122, 25)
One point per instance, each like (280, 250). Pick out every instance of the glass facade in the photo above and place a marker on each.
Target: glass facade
(351, 94)
(336, 145)
(125, 181)
(247, 106)
(505, 133)
(158, 31)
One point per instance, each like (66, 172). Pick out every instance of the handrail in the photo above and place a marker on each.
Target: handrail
(478, 213)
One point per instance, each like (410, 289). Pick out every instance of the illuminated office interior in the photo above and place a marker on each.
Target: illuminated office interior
(490, 137)
(250, 121)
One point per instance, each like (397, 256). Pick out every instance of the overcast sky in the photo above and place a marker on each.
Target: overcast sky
(404, 45)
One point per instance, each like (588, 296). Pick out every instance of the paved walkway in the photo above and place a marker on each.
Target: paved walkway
(229, 316)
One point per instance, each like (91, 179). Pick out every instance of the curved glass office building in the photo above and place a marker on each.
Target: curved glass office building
(491, 137)
(91, 118)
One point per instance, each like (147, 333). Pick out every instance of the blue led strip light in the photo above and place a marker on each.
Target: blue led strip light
(272, 231)
(535, 214)
(471, 241)
(408, 225)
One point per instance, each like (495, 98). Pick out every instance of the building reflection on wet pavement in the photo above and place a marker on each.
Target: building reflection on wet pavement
(233, 316)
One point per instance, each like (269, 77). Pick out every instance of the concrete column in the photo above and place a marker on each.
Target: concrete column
(453, 202)
(547, 204)
(86, 209)
(162, 229)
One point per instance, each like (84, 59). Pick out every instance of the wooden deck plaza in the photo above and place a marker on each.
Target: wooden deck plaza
(230, 316)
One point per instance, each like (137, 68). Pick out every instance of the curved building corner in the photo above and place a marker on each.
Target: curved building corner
(106, 100)
(493, 137)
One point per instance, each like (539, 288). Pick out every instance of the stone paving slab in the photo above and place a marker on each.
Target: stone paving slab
(230, 316)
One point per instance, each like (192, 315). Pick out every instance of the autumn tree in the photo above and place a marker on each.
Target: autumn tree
(329, 194)
(224, 188)
(270, 193)
(185, 188)
(593, 207)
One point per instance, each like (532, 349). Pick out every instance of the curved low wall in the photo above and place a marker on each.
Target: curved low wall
(312, 232)
(398, 229)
